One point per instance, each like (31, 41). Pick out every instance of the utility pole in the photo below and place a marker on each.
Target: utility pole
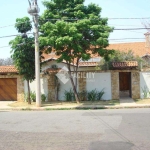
(33, 10)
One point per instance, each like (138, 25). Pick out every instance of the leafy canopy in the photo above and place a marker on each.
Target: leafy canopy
(23, 57)
(73, 29)
(23, 25)
(23, 53)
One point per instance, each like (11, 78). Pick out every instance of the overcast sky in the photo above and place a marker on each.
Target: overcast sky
(12, 9)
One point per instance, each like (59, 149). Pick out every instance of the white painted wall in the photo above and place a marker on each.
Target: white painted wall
(50, 63)
(44, 86)
(96, 80)
(144, 82)
(100, 81)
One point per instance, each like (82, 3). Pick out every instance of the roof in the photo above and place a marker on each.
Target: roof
(8, 69)
(125, 64)
(138, 48)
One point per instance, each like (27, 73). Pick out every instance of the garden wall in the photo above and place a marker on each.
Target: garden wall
(144, 83)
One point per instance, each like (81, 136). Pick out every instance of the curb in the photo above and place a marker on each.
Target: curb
(72, 108)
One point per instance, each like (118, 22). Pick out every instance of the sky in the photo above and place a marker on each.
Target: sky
(12, 9)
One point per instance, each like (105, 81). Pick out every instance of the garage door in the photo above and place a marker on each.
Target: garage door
(8, 89)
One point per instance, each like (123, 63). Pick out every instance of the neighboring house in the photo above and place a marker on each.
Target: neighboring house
(122, 78)
(11, 84)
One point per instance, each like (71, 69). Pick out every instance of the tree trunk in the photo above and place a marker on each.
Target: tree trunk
(73, 85)
(29, 100)
(76, 73)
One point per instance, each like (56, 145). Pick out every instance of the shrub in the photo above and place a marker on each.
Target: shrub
(84, 95)
(33, 96)
(92, 95)
(69, 95)
(100, 94)
(43, 97)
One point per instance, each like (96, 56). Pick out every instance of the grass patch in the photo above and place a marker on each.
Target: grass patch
(21, 104)
(142, 101)
(63, 103)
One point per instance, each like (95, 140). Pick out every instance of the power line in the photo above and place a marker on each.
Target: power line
(14, 24)
(132, 29)
(13, 35)
(131, 18)
(127, 39)
(108, 39)
(82, 19)
(4, 46)
(6, 26)
(125, 25)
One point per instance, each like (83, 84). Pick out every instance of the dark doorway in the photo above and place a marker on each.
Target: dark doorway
(125, 84)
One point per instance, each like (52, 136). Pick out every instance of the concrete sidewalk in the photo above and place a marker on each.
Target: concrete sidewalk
(58, 106)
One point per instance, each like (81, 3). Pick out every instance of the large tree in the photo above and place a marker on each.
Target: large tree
(75, 31)
(23, 52)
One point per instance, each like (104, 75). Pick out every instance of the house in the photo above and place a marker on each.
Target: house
(11, 84)
(113, 82)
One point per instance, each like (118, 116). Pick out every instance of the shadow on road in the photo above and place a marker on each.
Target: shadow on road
(118, 145)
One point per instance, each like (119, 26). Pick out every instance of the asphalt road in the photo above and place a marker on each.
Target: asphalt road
(126, 129)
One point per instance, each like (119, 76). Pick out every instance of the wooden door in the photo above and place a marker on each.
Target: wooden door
(8, 89)
(125, 81)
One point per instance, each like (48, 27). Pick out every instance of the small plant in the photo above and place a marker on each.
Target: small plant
(33, 96)
(145, 92)
(92, 95)
(100, 94)
(43, 97)
(69, 95)
(25, 97)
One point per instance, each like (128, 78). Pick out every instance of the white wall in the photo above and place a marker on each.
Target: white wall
(50, 63)
(144, 82)
(44, 86)
(100, 81)
(96, 81)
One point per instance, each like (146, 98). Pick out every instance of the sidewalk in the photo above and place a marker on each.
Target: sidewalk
(68, 106)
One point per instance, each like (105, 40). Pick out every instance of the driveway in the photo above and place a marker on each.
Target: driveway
(126, 129)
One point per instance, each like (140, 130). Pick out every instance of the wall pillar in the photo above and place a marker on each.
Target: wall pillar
(20, 89)
(115, 85)
(135, 85)
(82, 81)
(51, 87)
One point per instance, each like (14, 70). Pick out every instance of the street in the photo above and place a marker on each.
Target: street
(113, 129)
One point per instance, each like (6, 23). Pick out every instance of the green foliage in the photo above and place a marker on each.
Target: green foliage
(23, 50)
(24, 57)
(69, 95)
(43, 97)
(79, 28)
(75, 31)
(100, 94)
(92, 95)
(23, 25)
(145, 91)
(33, 96)
(84, 95)
(118, 56)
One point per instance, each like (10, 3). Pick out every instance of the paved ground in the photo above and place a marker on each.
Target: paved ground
(126, 129)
